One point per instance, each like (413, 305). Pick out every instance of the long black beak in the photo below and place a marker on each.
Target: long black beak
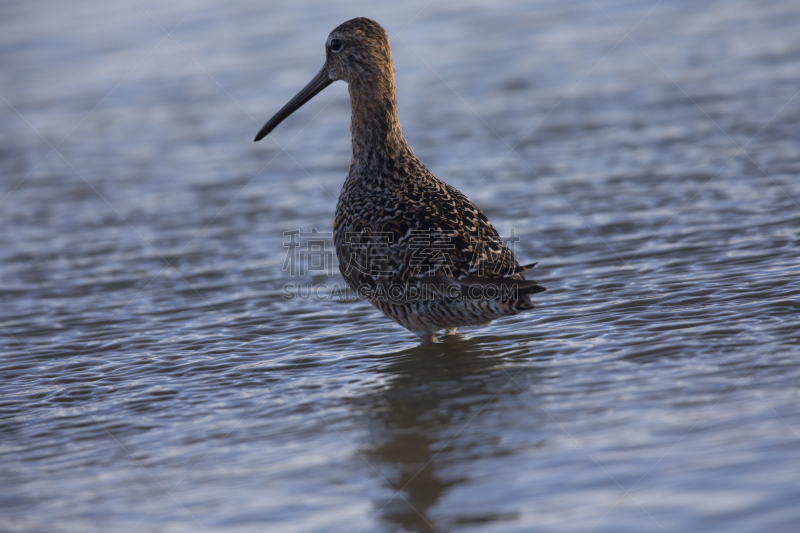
(319, 82)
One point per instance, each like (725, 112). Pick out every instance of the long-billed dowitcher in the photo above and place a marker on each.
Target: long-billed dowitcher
(415, 247)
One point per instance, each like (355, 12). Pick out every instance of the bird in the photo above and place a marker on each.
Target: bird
(413, 246)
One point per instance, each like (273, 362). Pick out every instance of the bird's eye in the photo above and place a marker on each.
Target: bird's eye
(336, 45)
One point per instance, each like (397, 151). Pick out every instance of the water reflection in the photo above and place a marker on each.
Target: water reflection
(420, 423)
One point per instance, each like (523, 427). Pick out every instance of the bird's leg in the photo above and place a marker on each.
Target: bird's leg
(450, 331)
(427, 338)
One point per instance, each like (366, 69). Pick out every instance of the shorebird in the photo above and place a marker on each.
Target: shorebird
(413, 246)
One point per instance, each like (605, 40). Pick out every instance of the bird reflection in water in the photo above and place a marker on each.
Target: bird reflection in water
(425, 432)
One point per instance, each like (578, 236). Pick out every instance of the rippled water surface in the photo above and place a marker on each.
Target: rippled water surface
(155, 378)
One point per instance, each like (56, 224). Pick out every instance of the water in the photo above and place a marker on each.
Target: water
(153, 377)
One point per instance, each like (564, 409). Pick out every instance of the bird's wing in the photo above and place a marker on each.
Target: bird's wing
(442, 241)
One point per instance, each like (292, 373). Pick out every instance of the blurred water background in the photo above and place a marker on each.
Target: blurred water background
(154, 378)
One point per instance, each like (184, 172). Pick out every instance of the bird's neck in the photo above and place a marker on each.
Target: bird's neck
(377, 137)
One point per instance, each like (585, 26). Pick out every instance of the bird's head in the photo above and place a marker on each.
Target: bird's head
(357, 52)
